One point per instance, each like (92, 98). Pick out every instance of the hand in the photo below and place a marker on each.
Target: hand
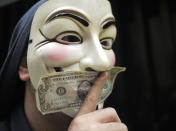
(90, 119)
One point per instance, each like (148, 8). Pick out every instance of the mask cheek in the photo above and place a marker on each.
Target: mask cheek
(111, 57)
(59, 55)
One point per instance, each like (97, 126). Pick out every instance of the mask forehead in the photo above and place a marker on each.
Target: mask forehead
(94, 10)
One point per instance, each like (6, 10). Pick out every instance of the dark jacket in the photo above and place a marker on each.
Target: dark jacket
(16, 121)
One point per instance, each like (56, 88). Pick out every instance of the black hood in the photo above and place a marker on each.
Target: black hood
(11, 88)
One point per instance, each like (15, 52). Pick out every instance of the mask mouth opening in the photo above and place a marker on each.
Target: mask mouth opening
(58, 69)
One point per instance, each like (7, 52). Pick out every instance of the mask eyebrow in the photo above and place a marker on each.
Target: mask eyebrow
(78, 18)
(108, 24)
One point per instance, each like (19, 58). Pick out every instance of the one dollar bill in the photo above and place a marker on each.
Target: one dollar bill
(63, 90)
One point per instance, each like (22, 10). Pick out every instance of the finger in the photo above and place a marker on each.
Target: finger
(102, 116)
(113, 126)
(91, 99)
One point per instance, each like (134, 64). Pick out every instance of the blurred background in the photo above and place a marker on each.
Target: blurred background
(145, 95)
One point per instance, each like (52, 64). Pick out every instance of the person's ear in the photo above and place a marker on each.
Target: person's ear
(23, 70)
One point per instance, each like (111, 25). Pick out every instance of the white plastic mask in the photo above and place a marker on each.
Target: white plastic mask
(71, 35)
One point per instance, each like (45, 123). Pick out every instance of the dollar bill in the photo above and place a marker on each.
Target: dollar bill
(63, 90)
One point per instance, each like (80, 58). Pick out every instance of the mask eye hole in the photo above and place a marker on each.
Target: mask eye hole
(69, 38)
(107, 43)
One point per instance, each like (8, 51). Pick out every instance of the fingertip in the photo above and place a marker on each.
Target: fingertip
(103, 75)
(106, 73)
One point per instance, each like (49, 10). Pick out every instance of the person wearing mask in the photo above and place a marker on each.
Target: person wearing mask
(59, 37)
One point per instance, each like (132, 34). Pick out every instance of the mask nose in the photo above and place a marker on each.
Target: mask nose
(95, 58)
